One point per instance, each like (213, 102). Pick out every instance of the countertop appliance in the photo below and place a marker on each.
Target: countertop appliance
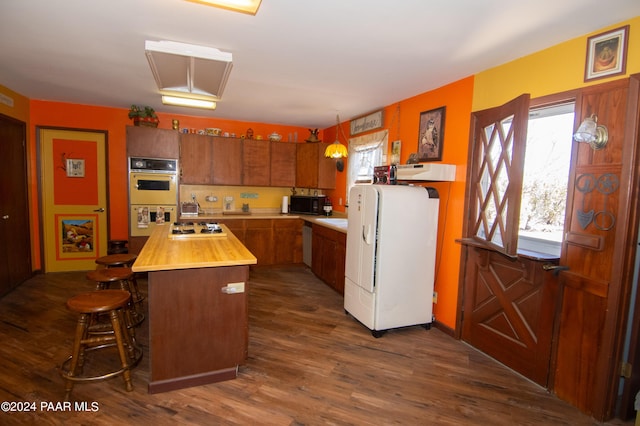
(390, 260)
(307, 204)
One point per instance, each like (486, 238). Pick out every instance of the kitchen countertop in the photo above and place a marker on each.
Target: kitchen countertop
(337, 221)
(161, 253)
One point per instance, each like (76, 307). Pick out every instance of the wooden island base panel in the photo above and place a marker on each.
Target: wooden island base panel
(198, 309)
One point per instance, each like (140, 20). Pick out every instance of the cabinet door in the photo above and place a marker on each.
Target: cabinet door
(236, 226)
(307, 165)
(283, 164)
(258, 238)
(313, 169)
(326, 169)
(227, 161)
(287, 240)
(150, 142)
(256, 162)
(196, 159)
(341, 254)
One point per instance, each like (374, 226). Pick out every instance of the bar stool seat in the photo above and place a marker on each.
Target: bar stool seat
(125, 278)
(111, 302)
(117, 260)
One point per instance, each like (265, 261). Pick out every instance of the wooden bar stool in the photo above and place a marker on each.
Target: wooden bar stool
(122, 260)
(112, 302)
(117, 260)
(124, 277)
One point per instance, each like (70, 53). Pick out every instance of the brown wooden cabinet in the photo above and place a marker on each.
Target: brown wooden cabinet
(227, 161)
(207, 342)
(196, 159)
(287, 241)
(256, 162)
(313, 169)
(149, 142)
(271, 241)
(258, 238)
(283, 164)
(328, 256)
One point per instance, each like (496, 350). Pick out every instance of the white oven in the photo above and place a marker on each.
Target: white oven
(153, 194)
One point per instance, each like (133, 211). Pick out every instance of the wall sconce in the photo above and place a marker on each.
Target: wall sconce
(589, 132)
(336, 149)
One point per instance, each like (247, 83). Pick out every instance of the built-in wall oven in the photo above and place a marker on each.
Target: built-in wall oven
(153, 194)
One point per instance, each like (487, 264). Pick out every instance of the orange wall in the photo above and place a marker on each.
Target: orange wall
(457, 98)
(114, 121)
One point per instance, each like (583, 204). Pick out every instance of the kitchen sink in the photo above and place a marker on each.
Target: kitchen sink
(337, 222)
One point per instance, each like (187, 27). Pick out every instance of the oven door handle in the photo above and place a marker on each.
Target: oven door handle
(100, 210)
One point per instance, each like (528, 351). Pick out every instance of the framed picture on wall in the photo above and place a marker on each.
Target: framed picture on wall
(607, 54)
(431, 135)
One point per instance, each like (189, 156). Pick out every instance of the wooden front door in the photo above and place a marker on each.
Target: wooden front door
(509, 300)
(513, 311)
(15, 245)
(73, 198)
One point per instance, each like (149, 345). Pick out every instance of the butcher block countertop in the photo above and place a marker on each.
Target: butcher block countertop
(161, 253)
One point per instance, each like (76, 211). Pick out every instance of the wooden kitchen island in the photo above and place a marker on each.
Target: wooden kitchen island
(198, 307)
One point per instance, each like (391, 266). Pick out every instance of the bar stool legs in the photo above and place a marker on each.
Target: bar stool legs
(114, 303)
(124, 276)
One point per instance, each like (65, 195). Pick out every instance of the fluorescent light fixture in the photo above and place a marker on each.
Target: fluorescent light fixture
(188, 102)
(245, 6)
(188, 70)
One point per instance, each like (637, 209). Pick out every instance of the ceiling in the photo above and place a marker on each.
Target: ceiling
(297, 62)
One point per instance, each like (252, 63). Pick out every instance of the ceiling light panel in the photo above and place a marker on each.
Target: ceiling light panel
(245, 6)
(187, 69)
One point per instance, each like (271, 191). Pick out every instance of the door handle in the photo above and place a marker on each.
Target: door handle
(101, 210)
(556, 269)
(5, 217)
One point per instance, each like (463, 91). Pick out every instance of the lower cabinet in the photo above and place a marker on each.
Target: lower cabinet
(272, 241)
(328, 248)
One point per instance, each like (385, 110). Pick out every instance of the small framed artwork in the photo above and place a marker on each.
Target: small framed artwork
(396, 146)
(75, 168)
(431, 135)
(607, 54)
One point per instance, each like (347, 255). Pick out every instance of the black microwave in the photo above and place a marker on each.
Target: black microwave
(307, 204)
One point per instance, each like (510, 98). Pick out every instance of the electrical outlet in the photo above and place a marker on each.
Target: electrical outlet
(211, 198)
(435, 297)
(233, 288)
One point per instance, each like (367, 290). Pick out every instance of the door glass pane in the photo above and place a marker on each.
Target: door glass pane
(546, 171)
(495, 164)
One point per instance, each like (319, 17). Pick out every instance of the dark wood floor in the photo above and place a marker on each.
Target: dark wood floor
(309, 364)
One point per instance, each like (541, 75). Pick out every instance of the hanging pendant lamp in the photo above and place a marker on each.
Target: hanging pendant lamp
(336, 149)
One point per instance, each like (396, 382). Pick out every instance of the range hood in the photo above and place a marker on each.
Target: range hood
(426, 172)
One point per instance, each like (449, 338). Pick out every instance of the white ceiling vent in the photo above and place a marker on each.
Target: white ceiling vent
(188, 70)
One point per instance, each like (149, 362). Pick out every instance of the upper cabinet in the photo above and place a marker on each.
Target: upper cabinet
(149, 142)
(212, 160)
(256, 166)
(227, 161)
(196, 159)
(283, 164)
(313, 169)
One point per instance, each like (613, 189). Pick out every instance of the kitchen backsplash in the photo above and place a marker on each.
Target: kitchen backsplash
(212, 198)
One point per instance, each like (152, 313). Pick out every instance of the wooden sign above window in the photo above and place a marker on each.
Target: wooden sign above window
(367, 122)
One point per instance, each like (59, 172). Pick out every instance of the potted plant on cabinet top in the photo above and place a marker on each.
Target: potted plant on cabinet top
(143, 116)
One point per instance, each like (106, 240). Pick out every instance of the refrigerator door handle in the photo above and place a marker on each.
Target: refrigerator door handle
(366, 234)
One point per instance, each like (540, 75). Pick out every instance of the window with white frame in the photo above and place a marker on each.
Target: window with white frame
(365, 152)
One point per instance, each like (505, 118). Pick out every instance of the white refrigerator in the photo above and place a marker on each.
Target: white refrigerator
(390, 261)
